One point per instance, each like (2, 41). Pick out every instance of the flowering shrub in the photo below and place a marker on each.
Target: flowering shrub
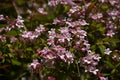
(65, 39)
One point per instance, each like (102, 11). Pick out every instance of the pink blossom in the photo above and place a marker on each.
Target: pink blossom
(64, 54)
(8, 29)
(73, 10)
(102, 1)
(51, 42)
(90, 62)
(35, 66)
(84, 49)
(46, 53)
(69, 57)
(28, 35)
(40, 28)
(69, 2)
(97, 16)
(52, 34)
(64, 30)
(81, 32)
(114, 57)
(64, 37)
(114, 14)
(110, 33)
(19, 22)
(1, 29)
(103, 78)
(83, 22)
(91, 70)
(13, 39)
(41, 11)
(3, 38)
(33, 34)
(107, 51)
(53, 3)
(113, 2)
(72, 24)
(2, 17)
(86, 44)
(51, 78)
(56, 21)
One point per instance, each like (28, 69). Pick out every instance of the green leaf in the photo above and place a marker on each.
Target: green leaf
(109, 64)
(104, 7)
(101, 48)
(15, 62)
(118, 65)
(20, 76)
(105, 74)
(93, 47)
(11, 55)
(20, 2)
(12, 33)
(114, 40)
(113, 71)
(66, 8)
(29, 49)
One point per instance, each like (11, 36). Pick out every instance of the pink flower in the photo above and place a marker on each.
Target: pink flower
(52, 34)
(28, 34)
(83, 22)
(114, 57)
(3, 38)
(53, 3)
(69, 57)
(73, 10)
(91, 70)
(86, 44)
(107, 51)
(113, 2)
(46, 53)
(84, 49)
(63, 54)
(114, 14)
(19, 22)
(97, 16)
(56, 21)
(39, 51)
(35, 66)
(64, 30)
(2, 17)
(90, 62)
(110, 33)
(51, 78)
(102, 1)
(1, 29)
(40, 28)
(103, 78)
(13, 39)
(41, 11)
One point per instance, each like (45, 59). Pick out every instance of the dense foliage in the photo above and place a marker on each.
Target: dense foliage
(59, 39)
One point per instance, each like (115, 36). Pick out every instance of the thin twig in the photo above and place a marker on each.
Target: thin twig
(16, 8)
(78, 69)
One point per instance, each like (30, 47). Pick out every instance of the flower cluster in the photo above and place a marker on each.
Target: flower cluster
(33, 34)
(69, 32)
(57, 52)
(56, 2)
(90, 62)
